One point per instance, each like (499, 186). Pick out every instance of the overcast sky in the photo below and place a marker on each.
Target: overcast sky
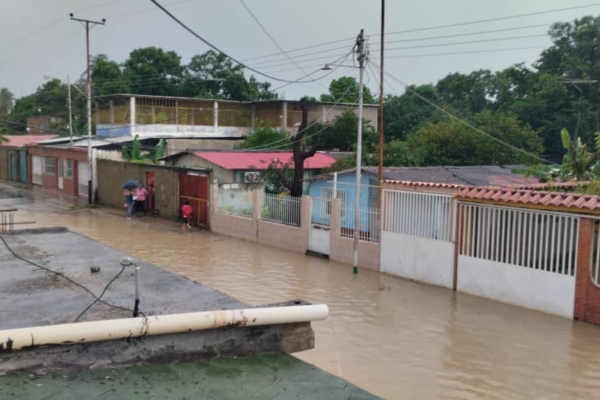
(37, 38)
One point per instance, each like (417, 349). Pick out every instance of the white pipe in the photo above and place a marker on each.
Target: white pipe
(116, 329)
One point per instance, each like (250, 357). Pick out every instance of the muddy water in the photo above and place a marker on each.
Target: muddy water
(397, 339)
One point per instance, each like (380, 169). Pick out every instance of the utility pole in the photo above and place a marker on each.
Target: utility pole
(70, 110)
(381, 59)
(88, 25)
(362, 58)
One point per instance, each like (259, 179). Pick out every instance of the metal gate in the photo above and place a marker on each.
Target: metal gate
(36, 170)
(193, 187)
(320, 226)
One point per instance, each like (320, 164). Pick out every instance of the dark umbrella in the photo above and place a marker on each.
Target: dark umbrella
(132, 184)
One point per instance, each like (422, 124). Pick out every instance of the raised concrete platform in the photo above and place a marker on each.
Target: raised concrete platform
(30, 296)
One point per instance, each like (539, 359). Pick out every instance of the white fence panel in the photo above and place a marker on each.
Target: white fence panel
(368, 219)
(417, 214)
(281, 209)
(521, 257)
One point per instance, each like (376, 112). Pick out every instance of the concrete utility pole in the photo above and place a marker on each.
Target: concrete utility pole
(381, 59)
(88, 25)
(362, 58)
(70, 110)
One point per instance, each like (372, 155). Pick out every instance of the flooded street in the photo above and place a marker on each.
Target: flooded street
(394, 338)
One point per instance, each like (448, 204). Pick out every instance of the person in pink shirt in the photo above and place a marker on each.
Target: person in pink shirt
(140, 200)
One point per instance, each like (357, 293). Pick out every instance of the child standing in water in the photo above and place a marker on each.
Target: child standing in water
(186, 212)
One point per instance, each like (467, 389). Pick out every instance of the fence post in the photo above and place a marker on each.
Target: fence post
(305, 211)
(336, 217)
(257, 200)
(214, 198)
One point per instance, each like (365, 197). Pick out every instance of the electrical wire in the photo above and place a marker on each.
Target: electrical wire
(60, 274)
(516, 16)
(209, 44)
(469, 52)
(101, 294)
(462, 121)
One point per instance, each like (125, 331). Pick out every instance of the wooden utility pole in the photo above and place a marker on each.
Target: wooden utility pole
(300, 153)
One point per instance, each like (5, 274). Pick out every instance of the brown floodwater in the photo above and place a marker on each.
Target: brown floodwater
(394, 338)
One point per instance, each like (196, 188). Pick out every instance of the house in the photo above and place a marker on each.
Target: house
(13, 156)
(243, 166)
(178, 117)
(41, 124)
(442, 180)
(61, 165)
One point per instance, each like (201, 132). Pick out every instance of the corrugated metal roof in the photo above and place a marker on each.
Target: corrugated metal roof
(531, 197)
(241, 160)
(485, 175)
(425, 184)
(24, 140)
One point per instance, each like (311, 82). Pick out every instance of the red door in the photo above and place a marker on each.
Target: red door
(193, 187)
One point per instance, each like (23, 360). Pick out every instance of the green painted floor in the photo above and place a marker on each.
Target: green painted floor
(258, 377)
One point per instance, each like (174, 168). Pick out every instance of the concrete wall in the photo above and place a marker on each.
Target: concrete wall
(417, 258)
(111, 175)
(254, 229)
(525, 287)
(341, 249)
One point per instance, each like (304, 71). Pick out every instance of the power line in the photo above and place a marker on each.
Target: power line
(462, 121)
(481, 21)
(220, 51)
(60, 274)
(468, 52)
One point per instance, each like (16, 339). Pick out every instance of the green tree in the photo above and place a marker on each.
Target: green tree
(466, 94)
(345, 90)
(265, 136)
(406, 113)
(108, 77)
(453, 143)
(153, 71)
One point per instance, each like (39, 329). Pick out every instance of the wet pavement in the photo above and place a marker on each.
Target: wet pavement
(394, 338)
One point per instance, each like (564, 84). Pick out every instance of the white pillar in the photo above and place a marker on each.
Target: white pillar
(132, 115)
(216, 116)
(284, 123)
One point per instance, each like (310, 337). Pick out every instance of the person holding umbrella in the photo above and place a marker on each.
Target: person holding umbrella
(128, 187)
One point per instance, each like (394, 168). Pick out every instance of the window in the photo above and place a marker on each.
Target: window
(49, 166)
(327, 193)
(68, 169)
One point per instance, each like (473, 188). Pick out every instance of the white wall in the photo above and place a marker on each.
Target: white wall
(421, 259)
(526, 287)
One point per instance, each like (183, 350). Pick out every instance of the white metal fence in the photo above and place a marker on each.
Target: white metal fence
(281, 209)
(321, 211)
(533, 239)
(418, 214)
(369, 223)
(235, 202)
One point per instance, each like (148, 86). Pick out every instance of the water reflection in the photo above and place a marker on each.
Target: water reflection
(394, 338)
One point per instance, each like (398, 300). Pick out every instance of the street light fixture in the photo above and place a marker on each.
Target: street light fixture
(362, 57)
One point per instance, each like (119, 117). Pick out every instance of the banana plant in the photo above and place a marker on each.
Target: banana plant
(578, 162)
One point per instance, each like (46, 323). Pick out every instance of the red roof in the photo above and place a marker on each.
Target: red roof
(258, 160)
(24, 140)
(530, 197)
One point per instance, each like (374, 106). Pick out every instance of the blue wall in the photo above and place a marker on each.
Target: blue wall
(347, 183)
